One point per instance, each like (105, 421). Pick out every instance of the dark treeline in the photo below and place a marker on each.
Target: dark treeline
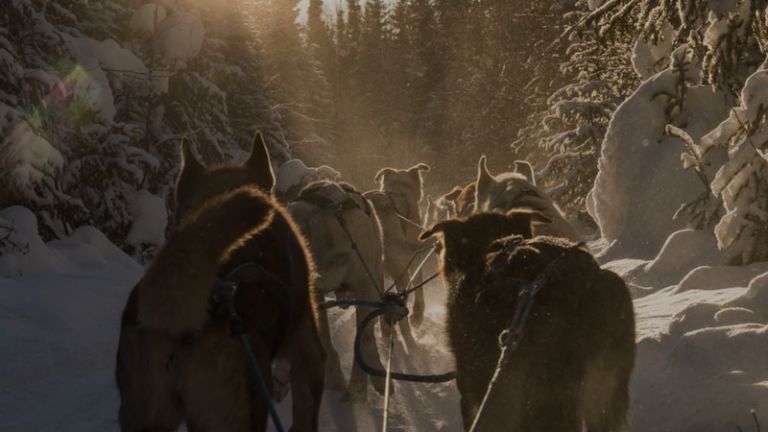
(438, 81)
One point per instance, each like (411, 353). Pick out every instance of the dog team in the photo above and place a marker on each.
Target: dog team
(288, 240)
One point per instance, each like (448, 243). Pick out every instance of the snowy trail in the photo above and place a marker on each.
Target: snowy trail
(413, 406)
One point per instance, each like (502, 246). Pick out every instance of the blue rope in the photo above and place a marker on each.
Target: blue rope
(260, 384)
(224, 293)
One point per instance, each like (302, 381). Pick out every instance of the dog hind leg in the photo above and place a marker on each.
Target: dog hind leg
(307, 377)
(215, 384)
(146, 377)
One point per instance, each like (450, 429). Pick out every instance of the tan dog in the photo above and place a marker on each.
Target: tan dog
(177, 360)
(397, 205)
(511, 190)
(340, 271)
(442, 208)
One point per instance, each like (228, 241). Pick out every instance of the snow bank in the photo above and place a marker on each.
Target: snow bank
(86, 247)
(30, 255)
(701, 352)
(58, 357)
(150, 219)
(683, 250)
(717, 277)
(641, 182)
(705, 380)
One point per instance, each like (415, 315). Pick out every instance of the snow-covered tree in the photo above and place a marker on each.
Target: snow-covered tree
(95, 97)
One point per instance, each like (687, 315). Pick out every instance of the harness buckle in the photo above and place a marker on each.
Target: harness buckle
(223, 299)
(394, 308)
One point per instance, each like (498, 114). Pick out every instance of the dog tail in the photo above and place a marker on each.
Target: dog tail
(173, 296)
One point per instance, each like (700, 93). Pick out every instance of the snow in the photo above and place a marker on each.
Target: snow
(147, 18)
(641, 182)
(738, 180)
(108, 53)
(648, 56)
(58, 360)
(150, 219)
(96, 59)
(179, 38)
(29, 157)
(295, 173)
(84, 247)
(700, 362)
(724, 17)
(682, 251)
(39, 257)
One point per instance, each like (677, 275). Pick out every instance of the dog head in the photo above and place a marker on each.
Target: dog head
(470, 237)
(197, 184)
(408, 182)
(508, 191)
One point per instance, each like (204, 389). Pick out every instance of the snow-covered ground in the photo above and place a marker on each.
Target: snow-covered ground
(701, 363)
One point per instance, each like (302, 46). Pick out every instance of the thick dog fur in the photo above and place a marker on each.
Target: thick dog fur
(339, 269)
(397, 205)
(173, 295)
(511, 190)
(294, 175)
(572, 367)
(177, 360)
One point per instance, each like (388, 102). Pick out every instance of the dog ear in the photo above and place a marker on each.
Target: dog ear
(531, 216)
(526, 169)
(382, 172)
(189, 163)
(484, 180)
(259, 163)
(329, 172)
(522, 221)
(420, 167)
(453, 194)
(437, 228)
(483, 175)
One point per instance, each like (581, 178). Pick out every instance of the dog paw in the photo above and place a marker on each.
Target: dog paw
(357, 392)
(281, 380)
(379, 384)
(355, 396)
(334, 380)
(416, 319)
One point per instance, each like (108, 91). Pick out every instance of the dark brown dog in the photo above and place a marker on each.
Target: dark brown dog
(573, 364)
(176, 359)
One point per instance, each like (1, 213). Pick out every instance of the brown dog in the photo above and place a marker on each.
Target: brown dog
(573, 364)
(177, 360)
